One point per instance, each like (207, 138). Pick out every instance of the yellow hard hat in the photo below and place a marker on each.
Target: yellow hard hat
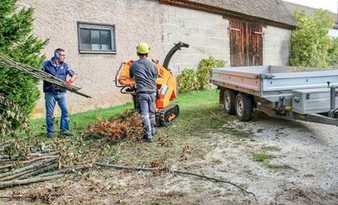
(143, 48)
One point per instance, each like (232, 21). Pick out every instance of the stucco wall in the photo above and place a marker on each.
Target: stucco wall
(206, 33)
(146, 20)
(276, 44)
(135, 21)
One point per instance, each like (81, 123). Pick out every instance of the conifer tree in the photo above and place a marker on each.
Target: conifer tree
(18, 42)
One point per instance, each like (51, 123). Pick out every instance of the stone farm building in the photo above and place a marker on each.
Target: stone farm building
(99, 35)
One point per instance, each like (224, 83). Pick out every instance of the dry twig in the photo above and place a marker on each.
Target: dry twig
(243, 190)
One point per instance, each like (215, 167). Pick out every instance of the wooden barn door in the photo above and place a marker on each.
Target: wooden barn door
(246, 43)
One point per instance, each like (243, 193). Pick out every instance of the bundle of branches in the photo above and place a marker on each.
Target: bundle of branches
(129, 126)
(23, 163)
(28, 170)
(38, 74)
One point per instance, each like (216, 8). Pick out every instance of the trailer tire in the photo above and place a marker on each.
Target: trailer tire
(244, 107)
(229, 102)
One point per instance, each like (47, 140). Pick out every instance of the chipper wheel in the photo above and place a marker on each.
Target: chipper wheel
(244, 107)
(167, 115)
(229, 101)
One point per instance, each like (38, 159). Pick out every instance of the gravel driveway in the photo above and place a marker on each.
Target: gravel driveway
(302, 164)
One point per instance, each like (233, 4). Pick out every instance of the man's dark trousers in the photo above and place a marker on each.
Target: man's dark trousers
(146, 103)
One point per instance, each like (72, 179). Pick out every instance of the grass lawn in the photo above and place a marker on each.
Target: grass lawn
(193, 106)
(200, 114)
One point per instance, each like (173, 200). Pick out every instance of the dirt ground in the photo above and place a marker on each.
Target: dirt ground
(281, 162)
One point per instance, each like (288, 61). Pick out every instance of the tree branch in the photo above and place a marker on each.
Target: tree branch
(246, 192)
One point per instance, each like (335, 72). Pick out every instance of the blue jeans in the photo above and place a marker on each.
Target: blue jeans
(146, 107)
(51, 99)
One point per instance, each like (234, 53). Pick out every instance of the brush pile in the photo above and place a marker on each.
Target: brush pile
(127, 126)
(24, 162)
(19, 167)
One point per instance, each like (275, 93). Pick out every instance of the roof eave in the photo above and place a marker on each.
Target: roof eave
(224, 12)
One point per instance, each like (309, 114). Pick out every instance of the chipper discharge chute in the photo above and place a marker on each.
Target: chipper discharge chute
(166, 110)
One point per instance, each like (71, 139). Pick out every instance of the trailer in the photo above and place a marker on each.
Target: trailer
(278, 91)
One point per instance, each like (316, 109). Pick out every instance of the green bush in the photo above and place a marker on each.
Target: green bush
(11, 118)
(190, 79)
(333, 53)
(17, 42)
(310, 42)
(187, 80)
(203, 71)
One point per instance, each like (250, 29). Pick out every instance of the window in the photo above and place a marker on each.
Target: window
(96, 38)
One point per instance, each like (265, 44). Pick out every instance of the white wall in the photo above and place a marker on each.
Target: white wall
(276, 45)
(147, 20)
(333, 33)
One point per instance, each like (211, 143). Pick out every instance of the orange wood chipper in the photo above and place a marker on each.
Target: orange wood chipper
(166, 110)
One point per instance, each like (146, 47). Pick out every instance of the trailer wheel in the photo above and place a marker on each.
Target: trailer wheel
(229, 102)
(244, 107)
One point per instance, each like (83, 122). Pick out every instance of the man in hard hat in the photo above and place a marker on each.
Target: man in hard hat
(144, 72)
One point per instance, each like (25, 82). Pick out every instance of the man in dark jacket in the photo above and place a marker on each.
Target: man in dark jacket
(144, 72)
(55, 94)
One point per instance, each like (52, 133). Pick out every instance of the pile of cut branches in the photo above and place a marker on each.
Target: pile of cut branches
(21, 169)
(129, 126)
(24, 163)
